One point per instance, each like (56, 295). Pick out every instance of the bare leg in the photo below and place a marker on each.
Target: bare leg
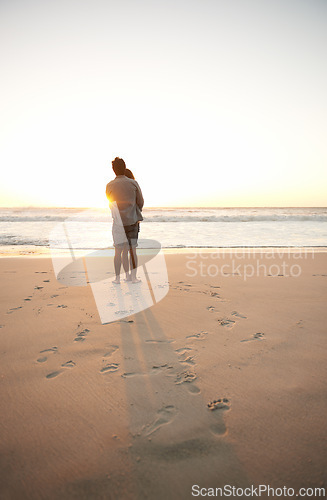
(126, 263)
(117, 264)
(133, 263)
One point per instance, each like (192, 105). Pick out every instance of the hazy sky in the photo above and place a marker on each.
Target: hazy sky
(210, 102)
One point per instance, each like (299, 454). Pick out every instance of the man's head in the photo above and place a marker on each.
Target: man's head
(118, 166)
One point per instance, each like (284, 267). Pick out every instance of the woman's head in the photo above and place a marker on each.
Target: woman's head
(129, 174)
(118, 166)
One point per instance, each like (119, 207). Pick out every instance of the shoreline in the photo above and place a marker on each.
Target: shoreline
(46, 252)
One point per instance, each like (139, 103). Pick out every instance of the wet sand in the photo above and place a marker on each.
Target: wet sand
(223, 382)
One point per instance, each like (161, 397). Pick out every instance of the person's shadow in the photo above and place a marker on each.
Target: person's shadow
(177, 441)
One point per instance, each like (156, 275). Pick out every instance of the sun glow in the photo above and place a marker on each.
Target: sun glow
(207, 117)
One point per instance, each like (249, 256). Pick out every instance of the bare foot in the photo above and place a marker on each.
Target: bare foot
(116, 281)
(128, 277)
(136, 280)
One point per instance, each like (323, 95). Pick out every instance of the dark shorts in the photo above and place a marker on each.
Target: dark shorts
(132, 233)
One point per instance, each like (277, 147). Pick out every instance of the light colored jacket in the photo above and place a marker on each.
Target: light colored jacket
(128, 196)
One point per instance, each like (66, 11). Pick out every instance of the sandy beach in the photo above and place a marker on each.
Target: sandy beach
(223, 382)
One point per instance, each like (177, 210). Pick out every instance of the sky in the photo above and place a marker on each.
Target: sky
(209, 102)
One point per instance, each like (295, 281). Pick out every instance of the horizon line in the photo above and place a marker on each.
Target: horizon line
(161, 207)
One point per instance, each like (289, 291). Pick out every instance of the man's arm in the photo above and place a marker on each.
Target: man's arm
(139, 197)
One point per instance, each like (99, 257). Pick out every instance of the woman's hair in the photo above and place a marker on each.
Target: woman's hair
(129, 174)
(118, 166)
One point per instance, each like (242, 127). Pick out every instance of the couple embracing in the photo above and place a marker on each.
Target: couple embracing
(126, 203)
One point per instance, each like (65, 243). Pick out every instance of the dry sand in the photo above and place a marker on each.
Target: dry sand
(120, 411)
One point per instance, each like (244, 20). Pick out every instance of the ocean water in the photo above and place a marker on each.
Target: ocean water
(34, 230)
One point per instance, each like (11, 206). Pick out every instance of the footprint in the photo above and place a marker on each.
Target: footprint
(211, 308)
(46, 281)
(81, 335)
(111, 350)
(14, 309)
(229, 323)
(159, 341)
(256, 336)
(27, 299)
(62, 305)
(54, 374)
(79, 339)
(188, 359)
(187, 378)
(219, 404)
(130, 374)
(183, 355)
(42, 359)
(238, 315)
(38, 287)
(111, 367)
(69, 364)
(197, 336)
(159, 367)
(193, 389)
(53, 296)
(164, 416)
(218, 427)
(51, 349)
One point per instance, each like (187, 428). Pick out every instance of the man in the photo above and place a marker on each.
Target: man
(126, 203)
